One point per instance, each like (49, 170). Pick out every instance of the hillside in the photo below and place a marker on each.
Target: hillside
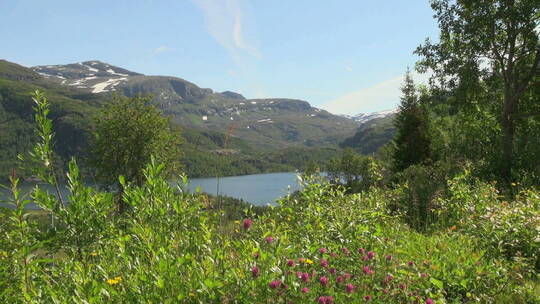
(372, 135)
(267, 123)
(268, 135)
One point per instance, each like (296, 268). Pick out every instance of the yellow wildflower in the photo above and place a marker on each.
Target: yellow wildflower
(308, 261)
(93, 253)
(237, 222)
(114, 281)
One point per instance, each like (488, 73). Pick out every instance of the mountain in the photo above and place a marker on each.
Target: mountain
(271, 123)
(365, 117)
(372, 134)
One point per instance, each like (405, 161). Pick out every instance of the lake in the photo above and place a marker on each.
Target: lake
(258, 189)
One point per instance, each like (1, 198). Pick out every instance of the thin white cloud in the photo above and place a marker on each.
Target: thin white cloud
(380, 96)
(348, 69)
(163, 49)
(224, 22)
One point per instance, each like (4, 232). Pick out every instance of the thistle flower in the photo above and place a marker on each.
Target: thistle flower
(370, 255)
(389, 258)
(290, 263)
(304, 277)
(323, 280)
(322, 250)
(410, 263)
(305, 290)
(367, 298)
(349, 288)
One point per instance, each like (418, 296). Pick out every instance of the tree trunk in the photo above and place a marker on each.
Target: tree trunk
(509, 108)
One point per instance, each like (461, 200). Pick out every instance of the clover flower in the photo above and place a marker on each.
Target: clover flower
(255, 271)
(323, 280)
(247, 223)
(274, 284)
(349, 288)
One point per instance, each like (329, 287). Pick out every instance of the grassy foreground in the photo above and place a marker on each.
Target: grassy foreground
(319, 246)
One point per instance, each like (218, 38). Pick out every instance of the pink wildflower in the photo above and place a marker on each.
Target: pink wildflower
(410, 263)
(322, 250)
(274, 284)
(305, 290)
(429, 301)
(388, 258)
(388, 278)
(247, 223)
(340, 279)
(269, 239)
(370, 255)
(305, 277)
(345, 251)
(367, 298)
(349, 288)
(322, 300)
(323, 280)
(324, 263)
(255, 271)
(361, 251)
(290, 263)
(332, 270)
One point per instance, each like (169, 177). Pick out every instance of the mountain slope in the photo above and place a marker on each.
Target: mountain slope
(266, 123)
(372, 135)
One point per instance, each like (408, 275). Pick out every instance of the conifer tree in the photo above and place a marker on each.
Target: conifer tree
(411, 142)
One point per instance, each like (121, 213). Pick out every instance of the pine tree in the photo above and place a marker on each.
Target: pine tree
(412, 142)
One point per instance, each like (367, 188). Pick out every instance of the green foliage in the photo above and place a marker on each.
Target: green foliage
(128, 132)
(412, 142)
(372, 135)
(356, 172)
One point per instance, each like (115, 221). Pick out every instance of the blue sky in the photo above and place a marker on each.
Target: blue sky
(344, 56)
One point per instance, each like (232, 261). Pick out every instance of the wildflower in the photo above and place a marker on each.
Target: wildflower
(423, 275)
(255, 271)
(332, 270)
(308, 261)
(290, 263)
(256, 255)
(322, 250)
(370, 255)
(323, 280)
(402, 286)
(237, 222)
(284, 286)
(247, 223)
(453, 228)
(301, 260)
(367, 298)
(304, 277)
(388, 278)
(305, 290)
(299, 274)
(345, 251)
(324, 263)
(347, 275)
(385, 291)
(349, 288)
(333, 254)
(361, 251)
(367, 270)
(269, 239)
(429, 301)
(410, 263)
(340, 279)
(274, 284)
(93, 253)
(389, 258)
(322, 300)
(114, 281)
(329, 300)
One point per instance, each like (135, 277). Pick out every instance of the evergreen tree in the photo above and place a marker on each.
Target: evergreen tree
(412, 142)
